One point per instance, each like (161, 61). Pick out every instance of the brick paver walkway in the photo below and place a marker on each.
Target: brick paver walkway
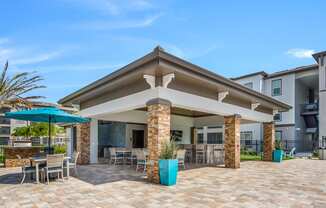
(295, 183)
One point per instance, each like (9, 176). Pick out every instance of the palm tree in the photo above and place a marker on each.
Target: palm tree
(13, 89)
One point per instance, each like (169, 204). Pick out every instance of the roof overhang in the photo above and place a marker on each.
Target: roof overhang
(158, 56)
(319, 54)
(262, 73)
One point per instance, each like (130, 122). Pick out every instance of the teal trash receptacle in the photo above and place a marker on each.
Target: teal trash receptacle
(168, 172)
(277, 155)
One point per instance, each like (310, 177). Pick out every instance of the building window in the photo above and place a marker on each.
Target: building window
(278, 117)
(4, 140)
(276, 87)
(249, 85)
(278, 135)
(215, 138)
(4, 130)
(4, 120)
(246, 136)
(200, 138)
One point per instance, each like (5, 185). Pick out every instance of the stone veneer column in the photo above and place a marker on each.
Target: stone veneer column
(83, 143)
(269, 140)
(158, 124)
(232, 141)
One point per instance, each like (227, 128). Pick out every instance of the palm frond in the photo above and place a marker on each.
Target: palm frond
(13, 88)
(4, 72)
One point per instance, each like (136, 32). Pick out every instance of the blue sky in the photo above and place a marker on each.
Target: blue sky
(74, 42)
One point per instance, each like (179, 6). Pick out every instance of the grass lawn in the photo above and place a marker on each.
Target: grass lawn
(248, 157)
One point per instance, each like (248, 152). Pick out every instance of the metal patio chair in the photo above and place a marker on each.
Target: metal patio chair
(54, 164)
(141, 160)
(200, 153)
(181, 158)
(73, 162)
(25, 170)
(114, 157)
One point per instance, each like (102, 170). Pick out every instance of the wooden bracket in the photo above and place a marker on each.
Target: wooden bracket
(167, 79)
(222, 95)
(254, 106)
(150, 80)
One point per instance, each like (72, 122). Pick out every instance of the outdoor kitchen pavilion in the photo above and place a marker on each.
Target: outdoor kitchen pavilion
(159, 88)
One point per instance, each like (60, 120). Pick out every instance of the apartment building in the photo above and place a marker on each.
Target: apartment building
(321, 60)
(298, 87)
(4, 126)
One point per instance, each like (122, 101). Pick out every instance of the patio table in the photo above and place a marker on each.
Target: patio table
(124, 153)
(40, 160)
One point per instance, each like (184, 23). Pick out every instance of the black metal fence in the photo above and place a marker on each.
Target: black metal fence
(257, 145)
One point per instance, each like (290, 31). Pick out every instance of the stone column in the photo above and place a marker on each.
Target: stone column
(83, 143)
(158, 124)
(232, 141)
(269, 140)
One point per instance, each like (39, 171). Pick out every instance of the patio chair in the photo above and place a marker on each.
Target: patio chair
(114, 157)
(291, 153)
(188, 157)
(25, 170)
(200, 153)
(54, 164)
(73, 162)
(132, 158)
(141, 160)
(181, 158)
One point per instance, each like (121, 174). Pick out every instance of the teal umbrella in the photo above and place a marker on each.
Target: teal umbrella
(49, 115)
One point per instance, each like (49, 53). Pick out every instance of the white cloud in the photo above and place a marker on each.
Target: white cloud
(24, 55)
(114, 7)
(123, 24)
(70, 67)
(300, 53)
(36, 58)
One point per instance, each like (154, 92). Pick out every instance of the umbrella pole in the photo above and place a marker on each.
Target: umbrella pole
(49, 142)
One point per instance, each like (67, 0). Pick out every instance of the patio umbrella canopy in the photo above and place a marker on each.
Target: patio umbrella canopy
(49, 115)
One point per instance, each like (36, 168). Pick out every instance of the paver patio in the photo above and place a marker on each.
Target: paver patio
(295, 183)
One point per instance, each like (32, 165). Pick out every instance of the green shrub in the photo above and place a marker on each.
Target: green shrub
(60, 149)
(168, 150)
(245, 151)
(288, 158)
(278, 144)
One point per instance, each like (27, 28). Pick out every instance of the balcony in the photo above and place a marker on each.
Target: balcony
(310, 115)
